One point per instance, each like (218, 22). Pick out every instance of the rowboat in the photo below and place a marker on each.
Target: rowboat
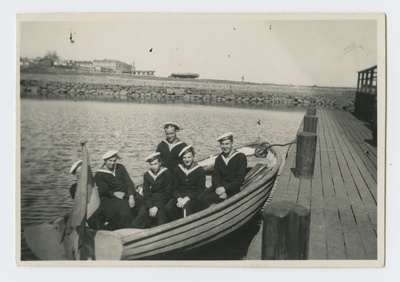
(196, 230)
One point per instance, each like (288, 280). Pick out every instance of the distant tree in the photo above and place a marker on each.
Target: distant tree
(52, 55)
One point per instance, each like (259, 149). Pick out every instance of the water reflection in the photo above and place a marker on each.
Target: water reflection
(178, 101)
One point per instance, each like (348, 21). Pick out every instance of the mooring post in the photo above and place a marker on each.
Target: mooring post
(310, 123)
(286, 231)
(311, 111)
(305, 155)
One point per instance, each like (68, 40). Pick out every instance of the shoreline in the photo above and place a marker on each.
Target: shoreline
(131, 87)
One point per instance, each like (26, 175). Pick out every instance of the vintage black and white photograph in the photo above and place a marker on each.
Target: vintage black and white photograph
(165, 139)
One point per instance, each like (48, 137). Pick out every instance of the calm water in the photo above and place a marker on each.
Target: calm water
(51, 131)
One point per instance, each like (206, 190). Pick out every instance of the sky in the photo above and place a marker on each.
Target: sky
(261, 48)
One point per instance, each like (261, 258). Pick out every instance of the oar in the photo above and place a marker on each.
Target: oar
(253, 176)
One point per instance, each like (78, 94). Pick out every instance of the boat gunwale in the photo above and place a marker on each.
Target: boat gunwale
(221, 214)
(247, 214)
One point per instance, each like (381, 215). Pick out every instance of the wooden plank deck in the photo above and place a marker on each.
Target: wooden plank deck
(341, 197)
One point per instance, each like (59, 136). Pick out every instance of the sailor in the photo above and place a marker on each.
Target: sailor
(120, 202)
(228, 173)
(189, 180)
(170, 147)
(156, 193)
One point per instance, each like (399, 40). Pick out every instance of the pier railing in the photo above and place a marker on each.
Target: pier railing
(366, 94)
(367, 80)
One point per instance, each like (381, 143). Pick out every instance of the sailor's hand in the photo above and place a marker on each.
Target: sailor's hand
(179, 203)
(223, 196)
(119, 195)
(131, 201)
(182, 202)
(220, 190)
(153, 211)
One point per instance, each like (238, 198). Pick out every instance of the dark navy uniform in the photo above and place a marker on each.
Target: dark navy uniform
(170, 153)
(117, 211)
(156, 193)
(188, 183)
(228, 173)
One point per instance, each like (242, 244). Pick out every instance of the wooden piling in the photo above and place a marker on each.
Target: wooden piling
(305, 155)
(310, 124)
(311, 111)
(286, 231)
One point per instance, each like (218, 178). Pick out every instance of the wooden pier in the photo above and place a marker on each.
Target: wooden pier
(341, 196)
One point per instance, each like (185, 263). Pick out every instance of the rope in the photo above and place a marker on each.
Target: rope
(282, 145)
(261, 150)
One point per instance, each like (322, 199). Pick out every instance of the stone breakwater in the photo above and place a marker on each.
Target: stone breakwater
(171, 90)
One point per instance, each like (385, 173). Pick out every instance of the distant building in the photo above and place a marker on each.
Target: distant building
(112, 66)
(24, 61)
(65, 64)
(60, 63)
(46, 62)
(143, 72)
(85, 65)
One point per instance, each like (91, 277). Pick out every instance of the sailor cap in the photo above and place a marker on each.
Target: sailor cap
(109, 154)
(75, 166)
(184, 150)
(152, 157)
(225, 136)
(174, 124)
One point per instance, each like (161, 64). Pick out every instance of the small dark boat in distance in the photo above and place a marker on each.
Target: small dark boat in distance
(184, 75)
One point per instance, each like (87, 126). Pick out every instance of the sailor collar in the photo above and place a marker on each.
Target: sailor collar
(102, 169)
(158, 174)
(171, 146)
(226, 160)
(188, 171)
